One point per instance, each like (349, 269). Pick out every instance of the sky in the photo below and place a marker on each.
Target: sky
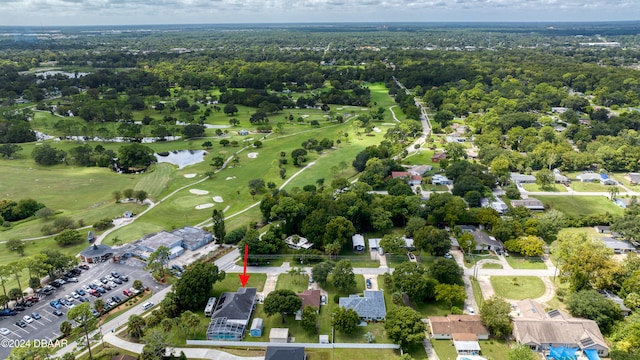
(132, 12)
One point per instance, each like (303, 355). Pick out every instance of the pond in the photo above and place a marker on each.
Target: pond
(181, 158)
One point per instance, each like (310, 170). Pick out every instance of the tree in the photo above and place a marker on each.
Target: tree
(446, 271)
(66, 327)
(413, 224)
(137, 284)
(338, 230)
(412, 279)
(8, 150)
(545, 178)
(393, 244)
(521, 352)
(68, 237)
(531, 246)
(44, 213)
(156, 342)
(310, 319)
(369, 337)
(159, 260)
(256, 184)
(404, 326)
(592, 305)
(217, 162)
(47, 155)
(455, 151)
(584, 262)
(432, 240)
(321, 271)
(494, 313)
(192, 289)
(191, 319)
(450, 293)
(16, 245)
(282, 301)
(140, 195)
(345, 320)
(467, 242)
(299, 156)
(135, 156)
(135, 325)
(218, 225)
(343, 278)
(34, 283)
(98, 305)
(230, 109)
(549, 223)
(81, 315)
(128, 193)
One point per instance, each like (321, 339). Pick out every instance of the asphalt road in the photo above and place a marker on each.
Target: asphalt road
(48, 327)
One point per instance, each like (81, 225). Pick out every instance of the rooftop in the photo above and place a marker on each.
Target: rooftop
(358, 240)
(96, 250)
(191, 235)
(458, 324)
(162, 238)
(371, 305)
(235, 305)
(284, 353)
(310, 298)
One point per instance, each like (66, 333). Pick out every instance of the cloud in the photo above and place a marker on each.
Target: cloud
(72, 12)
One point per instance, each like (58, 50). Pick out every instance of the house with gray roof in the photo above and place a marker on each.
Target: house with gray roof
(634, 178)
(589, 177)
(369, 307)
(542, 330)
(522, 179)
(358, 242)
(624, 310)
(231, 316)
(193, 238)
(532, 204)
(618, 246)
(486, 242)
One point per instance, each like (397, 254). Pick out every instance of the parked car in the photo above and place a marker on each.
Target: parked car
(33, 298)
(135, 291)
(81, 299)
(84, 267)
(101, 289)
(57, 312)
(448, 256)
(75, 295)
(8, 312)
(21, 323)
(368, 281)
(28, 319)
(5, 331)
(86, 288)
(104, 280)
(72, 280)
(80, 292)
(36, 315)
(470, 310)
(124, 278)
(117, 281)
(106, 286)
(116, 298)
(69, 298)
(19, 308)
(127, 292)
(95, 312)
(115, 274)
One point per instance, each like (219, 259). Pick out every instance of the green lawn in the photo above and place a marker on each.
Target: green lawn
(520, 262)
(518, 287)
(421, 158)
(231, 283)
(351, 354)
(297, 283)
(445, 349)
(594, 186)
(477, 291)
(495, 349)
(578, 206)
(550, 188)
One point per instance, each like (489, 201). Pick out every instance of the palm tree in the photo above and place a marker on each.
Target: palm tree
(293, 271)
(16, 267)
(613, 191)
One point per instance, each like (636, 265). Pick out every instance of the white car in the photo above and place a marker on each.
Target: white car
(5, 331)
(69, 298)
(470, 310)
(112, 284)
(86, 288)
(448, 256)
(109, 277)
(28, 319)
(75, 295)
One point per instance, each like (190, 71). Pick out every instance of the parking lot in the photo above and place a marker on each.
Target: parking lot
(48, 326)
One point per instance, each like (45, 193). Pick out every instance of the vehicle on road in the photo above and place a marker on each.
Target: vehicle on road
(147, 305)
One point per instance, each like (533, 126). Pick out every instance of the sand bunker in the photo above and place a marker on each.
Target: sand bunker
(364, 109)
(204, 206)
(252, 155)
(218, 199)
(230, 177)
(304, 116)
(198, 192)
(375, 129)
(190, 176)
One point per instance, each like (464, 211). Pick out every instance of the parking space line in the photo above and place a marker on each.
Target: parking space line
(33, 326)
(19, 328)
(16, 334)
(46, 318)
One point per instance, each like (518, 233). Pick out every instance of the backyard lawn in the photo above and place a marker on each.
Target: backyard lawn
(578, 206)
(550, 188)
(517, 287)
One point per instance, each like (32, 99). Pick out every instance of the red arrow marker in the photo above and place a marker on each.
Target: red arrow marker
(244, 277)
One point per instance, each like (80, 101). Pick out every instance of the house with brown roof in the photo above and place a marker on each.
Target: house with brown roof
(445, 327)
(541, 330)
(438, 157)
(310, 298)
(411, 179)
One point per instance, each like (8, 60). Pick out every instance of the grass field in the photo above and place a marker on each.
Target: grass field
(517, 287)
(445, 349)
(297, 283)
(421, 158)
(519, 262)
(491, 266)
(581, 205)
(477, 291)
(595, 187)
(550, 188)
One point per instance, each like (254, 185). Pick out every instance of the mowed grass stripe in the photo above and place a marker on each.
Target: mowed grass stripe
(156, 180)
